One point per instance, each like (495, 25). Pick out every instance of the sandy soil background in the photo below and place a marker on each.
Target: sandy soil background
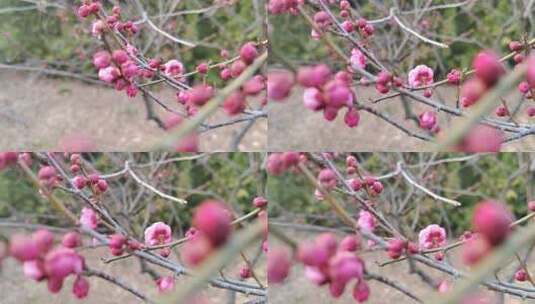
(37, 112)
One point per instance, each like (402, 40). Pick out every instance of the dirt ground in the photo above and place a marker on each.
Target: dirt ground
(15, 288)
(293, 127)
(37, 113)
(297, 289)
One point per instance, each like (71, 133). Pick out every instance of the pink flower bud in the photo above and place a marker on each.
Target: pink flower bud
(482, 138)
(79, 181)
(290, 159)
(443, 287)
(475, 249)
(327, 178)
(245, 272)
(165, 252)
(260, 202)
(101, 59)
(71, 240)
(84, 11)
(202, 68)
(355, 184)
(492, 220)
(237, 68)
(61, 262)
(278, 265)
(487, 67)
(523, 87)
(248, 52)
(352, 117)
(502, 111)
(196, 250)
(225, 74)
(235, 103)
(515, 46)
(213, 220)
(313, 76)
(165, 284)
(275, 164)
(322, 19)
(117, 241)
(102, 185)
(23, 248)
(80, 288)
(531, 206)
(428, 120)
(119, 56)
(471, 91)
(530, 75)
(521, 275)
(254, 85)
(454, 77)
(350, 243)
(54, 284)
(361, 292)
(201, 94)
(46, 172)
(345, 266)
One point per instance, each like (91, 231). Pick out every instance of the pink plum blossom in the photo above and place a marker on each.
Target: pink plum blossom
(421, 75)
(157, 234)
(432, 236)
(173, 68)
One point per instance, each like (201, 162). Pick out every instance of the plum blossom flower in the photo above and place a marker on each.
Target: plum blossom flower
(421, 75)
(357, 60)
(173, 68)
(366, 221)
(89, 218)
(432, 236)
(158, 234)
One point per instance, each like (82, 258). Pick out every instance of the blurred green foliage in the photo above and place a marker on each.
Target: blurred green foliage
(492, 176)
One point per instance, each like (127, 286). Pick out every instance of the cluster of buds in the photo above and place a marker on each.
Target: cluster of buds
(328, 93)
(327, 263)
(43, 262)
(488, 70)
